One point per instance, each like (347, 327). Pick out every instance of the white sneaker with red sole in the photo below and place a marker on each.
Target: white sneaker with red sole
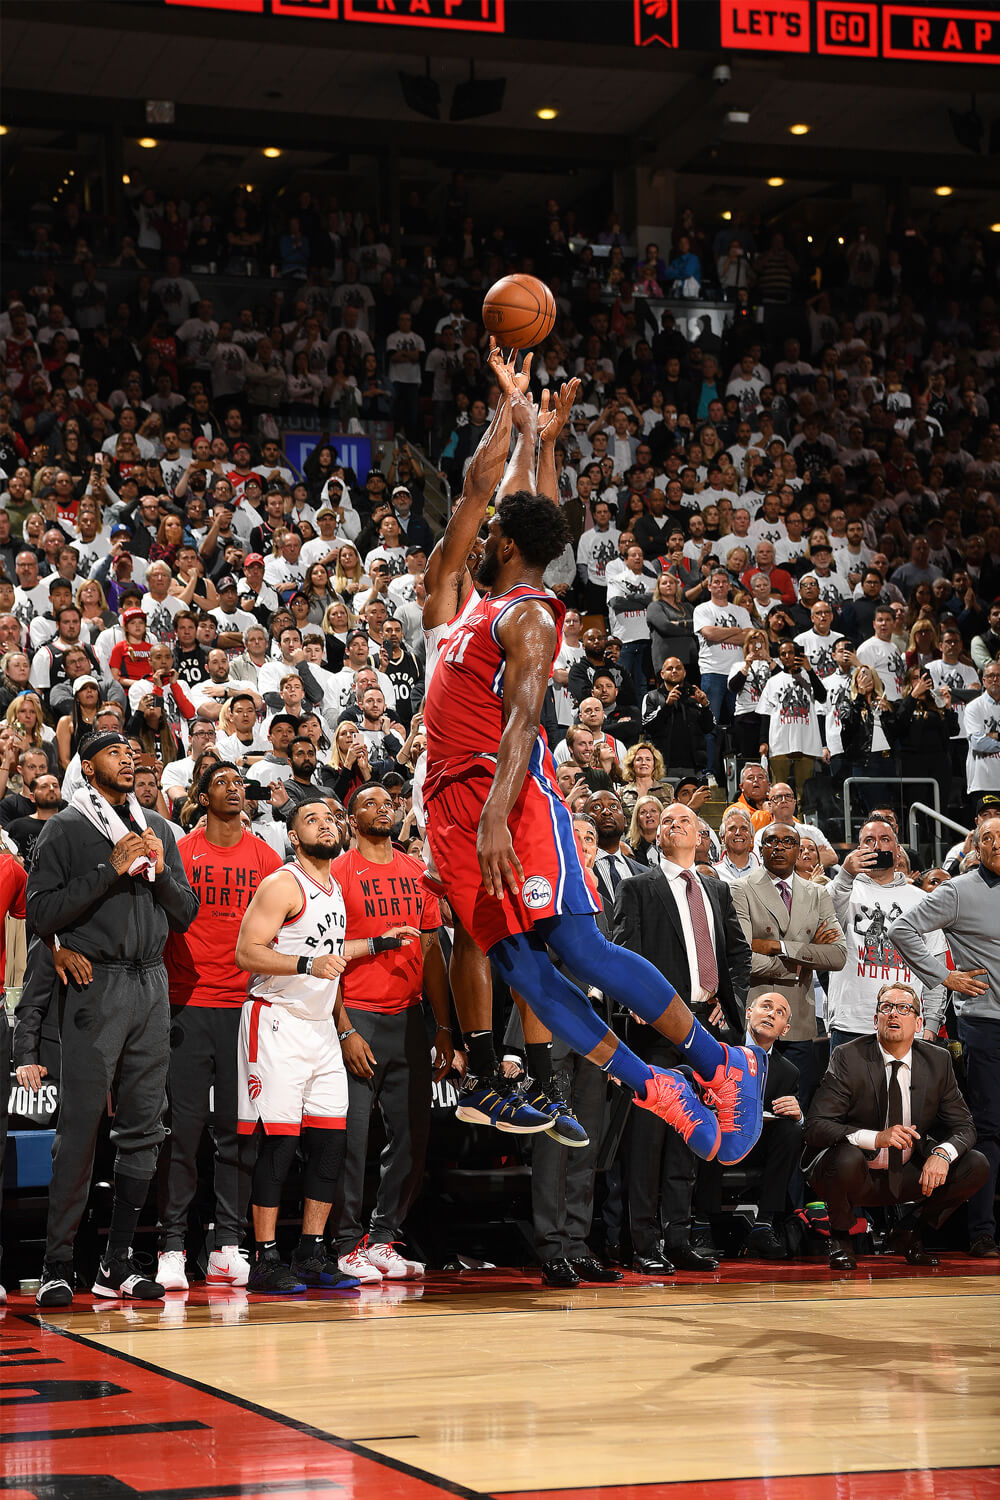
(229, 1266)
(394, 1267)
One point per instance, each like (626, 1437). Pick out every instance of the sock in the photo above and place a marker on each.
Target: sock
(263, 1246)
(130, 1195)
(539, 1055)
(706, 1054)
(628, 1069)
(482, 1056)
(309, 1245)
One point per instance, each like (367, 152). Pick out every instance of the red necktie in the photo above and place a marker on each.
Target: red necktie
(786, 893)
(708, 970)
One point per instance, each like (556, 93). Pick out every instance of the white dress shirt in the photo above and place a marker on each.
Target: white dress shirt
(865, 1139)
(679, 891)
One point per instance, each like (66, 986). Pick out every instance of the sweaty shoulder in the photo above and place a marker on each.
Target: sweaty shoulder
(525, 612)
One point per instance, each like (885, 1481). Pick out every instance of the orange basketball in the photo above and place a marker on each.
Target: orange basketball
(519, 311)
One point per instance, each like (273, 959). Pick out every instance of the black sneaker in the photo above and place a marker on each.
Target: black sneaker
(120, 1276)
(564, 1127)
(270, 1276)
(56, 1288)
(322, 1271)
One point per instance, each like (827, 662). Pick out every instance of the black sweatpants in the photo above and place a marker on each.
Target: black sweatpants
(402, 1088)
(203, 1050)
(116, 1030)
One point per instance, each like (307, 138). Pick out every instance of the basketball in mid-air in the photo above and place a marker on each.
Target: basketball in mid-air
(519, 311)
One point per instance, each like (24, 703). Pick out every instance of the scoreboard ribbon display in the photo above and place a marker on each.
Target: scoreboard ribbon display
(439, 15)
(837, 28)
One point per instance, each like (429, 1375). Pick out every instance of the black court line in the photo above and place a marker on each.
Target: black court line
(125, 1429)
(346, 1445)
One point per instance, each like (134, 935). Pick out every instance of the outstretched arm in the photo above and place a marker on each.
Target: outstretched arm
(483, 476)
(520, 471)
(529, 639)
(552, 418)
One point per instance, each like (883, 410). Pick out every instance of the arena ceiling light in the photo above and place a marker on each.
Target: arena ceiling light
(3, 130)
(421, 94)
(727, 214)
(775, 182)
(126, 179)
(799, 129)
(995, 228)
(272, 152)
(943, 192)
(547, 112)
(147, 142)
(737, 117)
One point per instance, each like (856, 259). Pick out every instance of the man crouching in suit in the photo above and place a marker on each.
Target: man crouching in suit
(687, 927)
(777, 1153)
(887, 1125)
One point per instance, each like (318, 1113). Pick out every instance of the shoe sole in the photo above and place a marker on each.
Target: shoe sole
(477, 1117)
(270, 1291)
(231, 1281)
(117, 1295)
(565, 1141)
(63, 1302)
(406, 1276)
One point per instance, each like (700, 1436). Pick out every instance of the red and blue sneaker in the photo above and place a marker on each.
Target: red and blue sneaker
(671, 1097)
(736, 1093)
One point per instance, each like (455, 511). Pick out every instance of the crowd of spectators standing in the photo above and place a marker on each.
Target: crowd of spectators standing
(785, 564)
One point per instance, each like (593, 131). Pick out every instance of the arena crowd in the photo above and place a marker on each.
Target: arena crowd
(784, 572)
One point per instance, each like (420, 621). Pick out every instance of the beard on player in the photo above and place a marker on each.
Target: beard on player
(489, 567)
(376, 825)
(322, 849)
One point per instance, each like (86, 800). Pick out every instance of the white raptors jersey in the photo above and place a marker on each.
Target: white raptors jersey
(435, 638)
(317, 929)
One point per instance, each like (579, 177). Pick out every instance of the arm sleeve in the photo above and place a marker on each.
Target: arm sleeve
(172, 889)
(936, 910)
(53, 899)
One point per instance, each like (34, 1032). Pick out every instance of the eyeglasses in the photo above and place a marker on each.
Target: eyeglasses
(902, 1010)
(788, 839)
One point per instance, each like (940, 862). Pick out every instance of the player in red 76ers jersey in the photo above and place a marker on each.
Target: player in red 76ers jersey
(502, 839)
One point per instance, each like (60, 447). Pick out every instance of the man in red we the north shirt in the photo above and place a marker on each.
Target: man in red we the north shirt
(224, 863)
(382, 993)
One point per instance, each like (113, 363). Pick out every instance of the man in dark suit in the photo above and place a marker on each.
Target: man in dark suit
(887, 1125)
(688, 929)
(611, 866)
(777, 1153)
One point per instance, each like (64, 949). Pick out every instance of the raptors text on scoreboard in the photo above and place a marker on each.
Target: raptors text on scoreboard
(441, 15)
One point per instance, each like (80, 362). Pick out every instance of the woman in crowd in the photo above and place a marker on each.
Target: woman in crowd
(925, 724)
(94, 612)
(338, 622)
(747, 680)
(15, 677)
(298, 608)
(642, 831)
(26, 718)
(868, 729)
(150, 727)
(74, 727)
(318, 592)
(670, 618)
(349, 577)
(644, 774)
(348, 766)
(311, 726)
(808, 863)
(169, 537)
(924, 644)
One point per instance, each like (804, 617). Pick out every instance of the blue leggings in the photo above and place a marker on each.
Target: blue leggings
(619, 973)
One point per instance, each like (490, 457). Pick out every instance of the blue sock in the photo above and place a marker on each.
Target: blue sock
(559, 1005)
(627, 978)
(705, 1052)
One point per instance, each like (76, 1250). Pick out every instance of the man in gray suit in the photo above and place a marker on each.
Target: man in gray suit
(792, 930)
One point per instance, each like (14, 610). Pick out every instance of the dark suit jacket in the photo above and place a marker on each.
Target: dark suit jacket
(647, 921)
(604, 884)
(782, 1078)
(854, 1096)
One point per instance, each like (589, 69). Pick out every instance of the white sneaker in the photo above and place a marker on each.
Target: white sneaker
(393, 1266)
(710, 779)
(3, 1294)
(170, 1271)
(229, 1266)
(357, 1263)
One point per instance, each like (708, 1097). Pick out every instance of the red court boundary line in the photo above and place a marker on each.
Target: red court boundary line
(304, 1429)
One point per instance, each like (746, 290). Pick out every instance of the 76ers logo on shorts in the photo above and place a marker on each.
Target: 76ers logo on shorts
(536, 892)
(254, 1086)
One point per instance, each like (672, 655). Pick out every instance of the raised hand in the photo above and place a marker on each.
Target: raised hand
(511, 381)
(555, 409)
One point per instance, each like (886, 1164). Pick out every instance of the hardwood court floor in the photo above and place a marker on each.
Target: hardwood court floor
(755, 1384)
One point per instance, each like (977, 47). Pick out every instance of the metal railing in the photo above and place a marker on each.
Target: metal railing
(940, 818)
(889, 783)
